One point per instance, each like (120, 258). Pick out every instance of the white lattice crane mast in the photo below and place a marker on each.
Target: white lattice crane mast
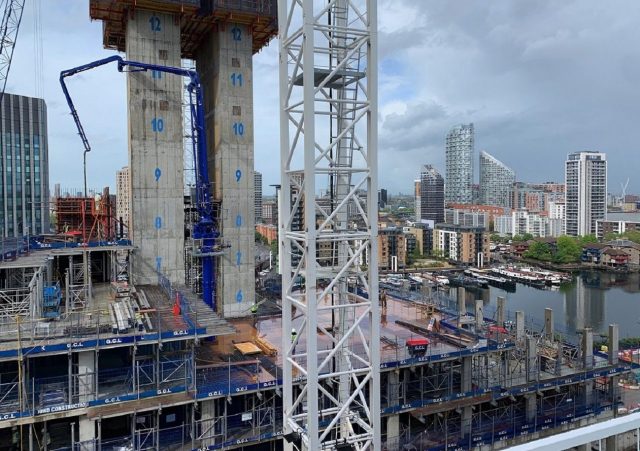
(328, 100)
(11, 18)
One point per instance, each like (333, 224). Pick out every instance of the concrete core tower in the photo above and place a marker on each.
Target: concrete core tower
(221, 36)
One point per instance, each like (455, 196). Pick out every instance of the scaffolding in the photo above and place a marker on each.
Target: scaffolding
(86, 218)
(464, 390)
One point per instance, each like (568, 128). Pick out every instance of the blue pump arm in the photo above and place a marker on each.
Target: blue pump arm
(206, 227)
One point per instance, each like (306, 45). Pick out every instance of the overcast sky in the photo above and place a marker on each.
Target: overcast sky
(539, 79)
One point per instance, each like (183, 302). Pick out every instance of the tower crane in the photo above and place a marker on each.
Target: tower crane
(206, 228)
(624, 188)
(11, 18)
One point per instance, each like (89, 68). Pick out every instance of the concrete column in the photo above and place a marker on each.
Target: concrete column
(548, 323)
(466, 382)
(519, 325)
(155, 148)
(530, 406)
(611, 443)
(614, 339)
(587, 348)
(86, 375)
(393, 421)
(532, 359)
(393, 431)
(87, 429)
(466, 420)
(588, 392)
(479, 312)
(462, 308)
(224, 61)
(501, 310)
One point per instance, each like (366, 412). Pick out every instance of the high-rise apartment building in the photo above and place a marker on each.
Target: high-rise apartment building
(431, 195)
(383, 198)
(123, 197)
(586, 192)
(257, 188)
(496, 181)
(416, 199)
(459, 171)
(24, 166)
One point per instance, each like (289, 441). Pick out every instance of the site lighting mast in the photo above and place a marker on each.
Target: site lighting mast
(328, 101)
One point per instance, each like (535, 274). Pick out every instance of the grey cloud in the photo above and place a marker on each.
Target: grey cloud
(539, 79)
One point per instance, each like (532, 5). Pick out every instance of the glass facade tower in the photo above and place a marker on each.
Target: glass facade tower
(24, 196)
(459, 171)
(431, 195)
(496, 181)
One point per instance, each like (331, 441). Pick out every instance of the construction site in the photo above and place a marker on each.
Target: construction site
(154, 335)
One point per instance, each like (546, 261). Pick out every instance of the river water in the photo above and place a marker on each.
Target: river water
(594, 299)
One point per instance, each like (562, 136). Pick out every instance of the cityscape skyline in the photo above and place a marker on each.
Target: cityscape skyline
(520, 120)
(190, 311)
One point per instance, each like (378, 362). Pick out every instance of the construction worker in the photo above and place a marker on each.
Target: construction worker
(383, 299)
(254, 313)
(294, 335)
(46, 439)
(139, 323)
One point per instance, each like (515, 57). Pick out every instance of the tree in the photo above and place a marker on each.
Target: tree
(437, 253)
(569, 251)
(539, 251)
(495, 238)
(517, 238)
(274, 247)
(415, 255)
(633, 235)
(527, 237)
(610, 236)
(587, 239)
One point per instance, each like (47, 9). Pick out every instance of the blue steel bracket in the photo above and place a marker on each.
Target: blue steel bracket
(206, 229)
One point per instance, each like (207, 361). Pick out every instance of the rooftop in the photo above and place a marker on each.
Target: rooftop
(197, 18)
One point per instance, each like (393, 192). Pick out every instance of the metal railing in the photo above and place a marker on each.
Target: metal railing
(42, 395)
